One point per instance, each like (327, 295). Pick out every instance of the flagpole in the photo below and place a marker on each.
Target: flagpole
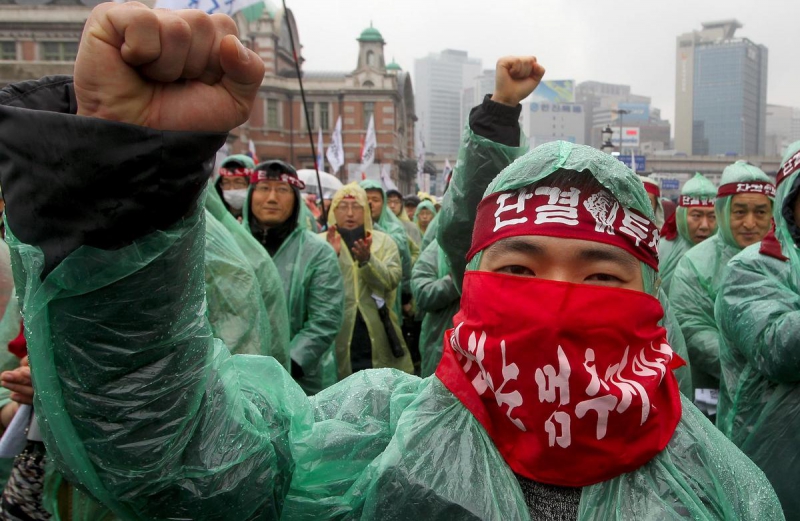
(305, 110)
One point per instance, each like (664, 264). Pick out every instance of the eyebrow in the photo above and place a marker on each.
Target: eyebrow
(610, 255)
(514, 245)
(743, 206)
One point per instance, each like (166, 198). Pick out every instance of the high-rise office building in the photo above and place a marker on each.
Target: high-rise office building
(720, 92)
(439, 82)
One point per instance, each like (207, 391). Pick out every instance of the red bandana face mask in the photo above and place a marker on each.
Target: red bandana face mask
(572, 382)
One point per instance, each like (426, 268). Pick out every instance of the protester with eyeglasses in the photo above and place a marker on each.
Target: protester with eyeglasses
(307, 266)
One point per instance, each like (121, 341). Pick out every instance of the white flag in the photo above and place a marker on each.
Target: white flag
(448, 171)
(320, 154)
(633, 162)
(370, 144)
(251, 149)
(228, 7)
(335, 153)
(386, 177)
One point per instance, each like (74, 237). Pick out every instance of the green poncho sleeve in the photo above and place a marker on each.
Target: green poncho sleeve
(270, 283)
(479, 161)
(236, 310)
(436, 295)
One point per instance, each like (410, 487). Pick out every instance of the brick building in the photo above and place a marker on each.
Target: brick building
(40, 37)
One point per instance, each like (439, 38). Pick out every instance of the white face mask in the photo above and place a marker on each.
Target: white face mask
(235, 198)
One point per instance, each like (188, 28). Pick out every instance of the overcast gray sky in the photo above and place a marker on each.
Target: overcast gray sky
(618, 41)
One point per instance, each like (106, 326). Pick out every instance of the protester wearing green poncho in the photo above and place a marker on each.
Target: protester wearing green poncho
(308, 267)
(233, 182)
(744, 214)
(437, 296)
(386, 221)
(424, 215)
(162, 422)
(693, 222)
(394, 200)
(757, 313)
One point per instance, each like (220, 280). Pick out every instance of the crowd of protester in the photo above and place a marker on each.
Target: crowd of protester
(552, 340)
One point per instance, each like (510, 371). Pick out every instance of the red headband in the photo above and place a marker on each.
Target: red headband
(238, 172)
(261, 175)
(687, 201)
(788, 168)
(753, 187)
(590, 215)
(650, 188)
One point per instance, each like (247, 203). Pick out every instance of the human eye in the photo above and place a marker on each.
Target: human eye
(603, 277)
(516, 269)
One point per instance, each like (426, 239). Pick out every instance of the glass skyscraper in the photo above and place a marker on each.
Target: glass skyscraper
(721, 92)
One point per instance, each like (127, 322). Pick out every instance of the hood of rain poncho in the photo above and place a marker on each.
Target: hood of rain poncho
(388, 221)
(247, 161)
(240, 158)
(424, 205)
(786, 231)
(360, 195)
(611, 173)
(659, 212)
(738, 172)
(425, 196)
(701, 188)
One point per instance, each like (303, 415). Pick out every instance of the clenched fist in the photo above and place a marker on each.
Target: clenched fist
(167, 70)
(515, 78)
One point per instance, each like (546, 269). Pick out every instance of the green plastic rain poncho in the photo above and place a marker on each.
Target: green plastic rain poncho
(671, 251)
(144, 409)
(424, 205)
(236, 309)
(413, 234)
(436, 295)
(380, 277)
(758, 313)
(390, 224)
(312, 282)
(696, 283)
(276, 329)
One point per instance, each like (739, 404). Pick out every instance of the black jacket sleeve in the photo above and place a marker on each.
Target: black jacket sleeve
(70, 181)
(496, 121)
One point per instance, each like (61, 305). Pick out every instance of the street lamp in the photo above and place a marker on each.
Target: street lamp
(605, 136)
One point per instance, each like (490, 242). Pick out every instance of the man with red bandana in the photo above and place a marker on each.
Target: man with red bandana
(692, 222)
(757, 311)
(555, 398)
(743, 210)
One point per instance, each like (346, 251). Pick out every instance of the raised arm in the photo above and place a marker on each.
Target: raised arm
(491, 141)
(140, 406)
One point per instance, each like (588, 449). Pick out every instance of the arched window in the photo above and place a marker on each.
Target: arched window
(371, 58)
(368, 84)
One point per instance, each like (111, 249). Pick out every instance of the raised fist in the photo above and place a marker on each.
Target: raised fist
(515, 78)
(167, 70)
